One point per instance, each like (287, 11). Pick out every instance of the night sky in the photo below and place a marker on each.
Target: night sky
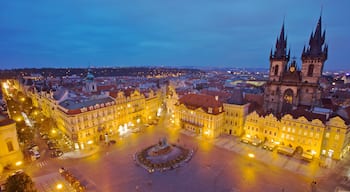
(112, 33)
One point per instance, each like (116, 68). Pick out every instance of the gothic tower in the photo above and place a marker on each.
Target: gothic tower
(278, 64)
(314, 56)
(288, 87)
(313, 59)
(280, 58)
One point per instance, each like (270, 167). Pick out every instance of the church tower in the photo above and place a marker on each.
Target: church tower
(314, 56)
(279, 59)
(288, 87)
(90, 84)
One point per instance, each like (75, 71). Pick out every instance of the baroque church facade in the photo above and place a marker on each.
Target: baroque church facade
(289, 85)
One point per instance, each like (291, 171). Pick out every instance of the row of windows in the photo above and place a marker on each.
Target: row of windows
(298, 140)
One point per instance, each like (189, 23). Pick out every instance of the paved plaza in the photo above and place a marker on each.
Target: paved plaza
(220, 165)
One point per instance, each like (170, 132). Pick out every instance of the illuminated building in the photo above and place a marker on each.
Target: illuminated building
(319, 134)
(201, 114)
(10, 152)
(87, 121)
(235, 116)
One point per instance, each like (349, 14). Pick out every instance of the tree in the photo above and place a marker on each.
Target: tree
(20, 182)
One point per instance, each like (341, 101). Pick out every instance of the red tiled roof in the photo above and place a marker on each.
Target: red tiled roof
(194, 101)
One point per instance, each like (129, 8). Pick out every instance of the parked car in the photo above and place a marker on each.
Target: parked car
(45, 136)
(52, 146)
(34, 154)
(269, 146)
(56, 153)
(33, 146)
(112, 142)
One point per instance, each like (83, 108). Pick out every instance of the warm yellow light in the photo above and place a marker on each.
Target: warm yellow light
(5, 85)
(59, 186)
(313, 152)
(18, 163)
(22, 98)
(277, 142)
(207, 132)
(248, 135)
(53, 131)
(251, 155)
(90, 142)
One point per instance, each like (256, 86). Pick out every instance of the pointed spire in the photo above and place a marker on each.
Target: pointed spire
(281, 44)
(316, 42)
(282, 32)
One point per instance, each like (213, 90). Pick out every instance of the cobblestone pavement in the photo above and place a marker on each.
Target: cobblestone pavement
(233, 144)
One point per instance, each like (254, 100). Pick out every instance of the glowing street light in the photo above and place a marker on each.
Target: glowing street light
(18, 163)
(251, 155)
(59, 186)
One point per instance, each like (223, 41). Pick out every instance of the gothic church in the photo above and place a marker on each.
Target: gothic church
(288, 85)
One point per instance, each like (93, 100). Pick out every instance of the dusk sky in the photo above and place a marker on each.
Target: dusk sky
(112, 33)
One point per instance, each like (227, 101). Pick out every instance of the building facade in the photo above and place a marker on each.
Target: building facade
(318, 134)
(10, 151)
(201, 114)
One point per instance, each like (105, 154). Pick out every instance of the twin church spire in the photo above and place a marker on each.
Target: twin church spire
(317, 46)
(280, 51)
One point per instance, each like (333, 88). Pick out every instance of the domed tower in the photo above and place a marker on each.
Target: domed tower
(90, 84)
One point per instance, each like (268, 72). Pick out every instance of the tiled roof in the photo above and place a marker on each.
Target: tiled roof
(5, 121)
(75, 107)
(194, 101)
(308, 115)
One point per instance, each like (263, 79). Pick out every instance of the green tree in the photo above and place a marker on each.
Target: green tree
(25, 133)
(20, 182)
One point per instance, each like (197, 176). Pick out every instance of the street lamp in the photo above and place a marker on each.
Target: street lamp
(59, 186)
(251, 155)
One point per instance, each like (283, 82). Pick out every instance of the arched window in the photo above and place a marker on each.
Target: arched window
(276, 70)
(310, 71)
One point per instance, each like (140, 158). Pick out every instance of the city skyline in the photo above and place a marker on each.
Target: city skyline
(182, 34)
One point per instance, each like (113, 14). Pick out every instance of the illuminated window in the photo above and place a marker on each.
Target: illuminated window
(327, 135)
(336, 137)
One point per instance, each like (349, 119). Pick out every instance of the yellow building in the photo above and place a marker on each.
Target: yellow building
(10, 152)
(153, 107)
(303, 131)
(87, 121)
(201, 114)
(235, 116)
(130, 106)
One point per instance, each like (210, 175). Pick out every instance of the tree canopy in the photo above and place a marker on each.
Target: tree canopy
(20, 182)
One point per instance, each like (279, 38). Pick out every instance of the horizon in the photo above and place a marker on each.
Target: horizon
(181, 34)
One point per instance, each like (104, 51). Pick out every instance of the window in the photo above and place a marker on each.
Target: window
(276, 70)
(336, 137)
(9, 146)
(327, 135)
(310, 70)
